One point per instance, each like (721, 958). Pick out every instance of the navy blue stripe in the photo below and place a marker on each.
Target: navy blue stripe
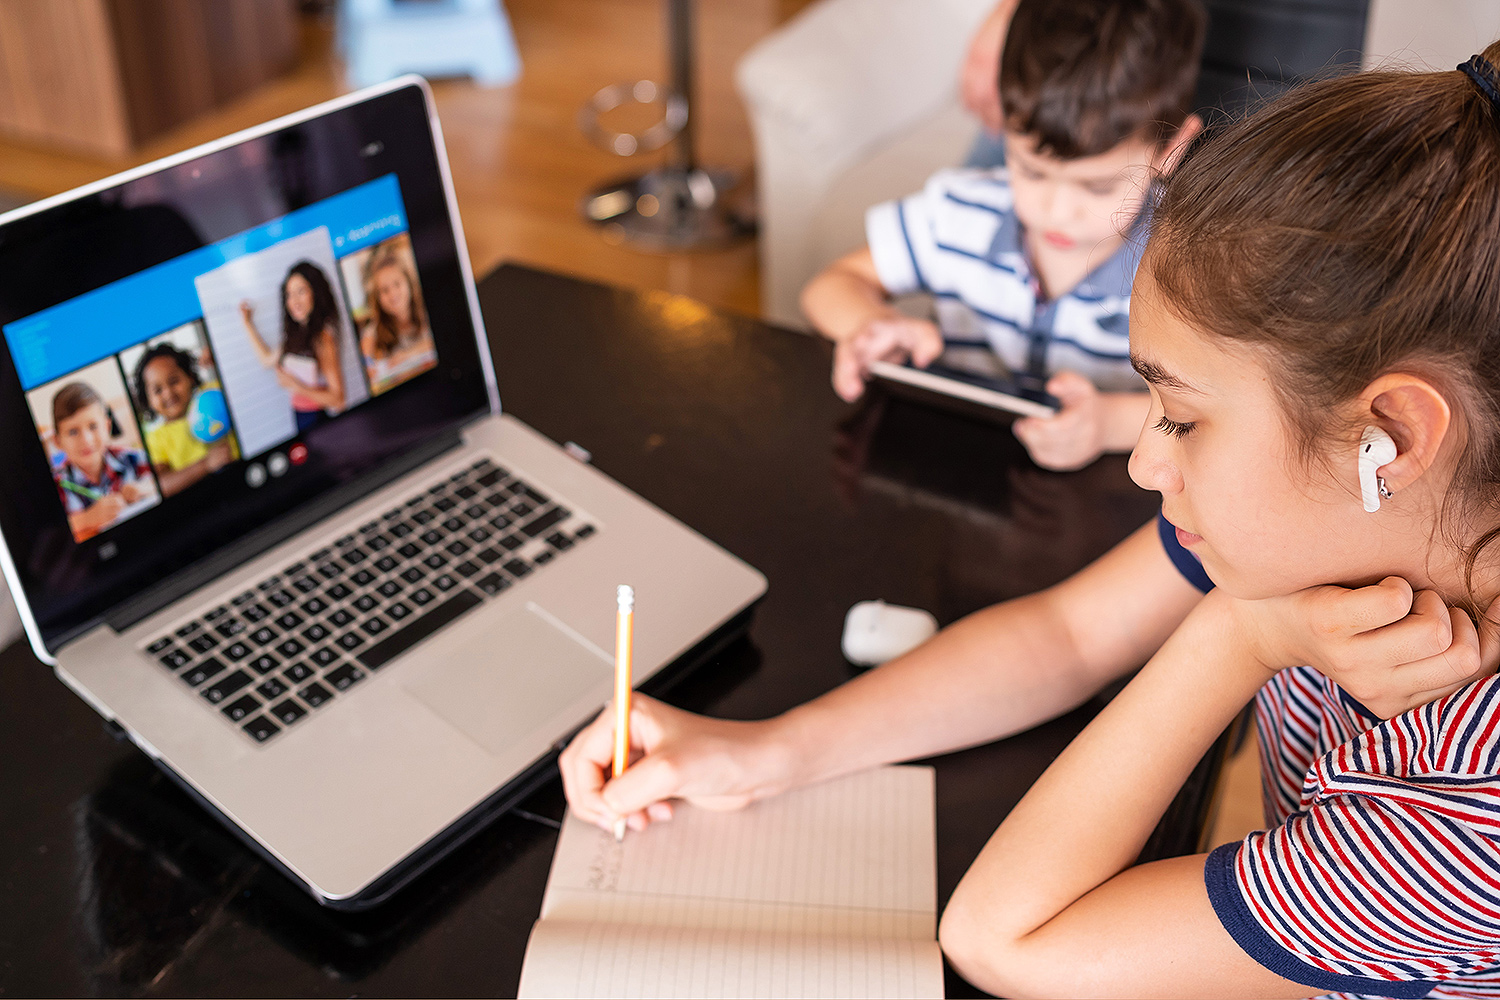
(1106, 355)
(1396, 856)
(1187, 564)
(976, 204)
(910, 252)
(1234, 914)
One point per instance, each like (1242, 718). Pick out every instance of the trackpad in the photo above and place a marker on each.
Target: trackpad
(523, 671)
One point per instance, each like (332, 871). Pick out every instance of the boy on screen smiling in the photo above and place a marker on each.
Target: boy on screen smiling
(97, 480)
(1034, 261)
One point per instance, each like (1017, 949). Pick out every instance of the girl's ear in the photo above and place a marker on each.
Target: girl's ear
(1417, 416)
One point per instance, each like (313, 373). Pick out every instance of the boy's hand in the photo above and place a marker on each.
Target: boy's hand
(1389, 648)
(675, 755)
(889, 338)
(1075, 435)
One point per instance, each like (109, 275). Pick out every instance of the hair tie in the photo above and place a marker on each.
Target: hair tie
(1482, 72)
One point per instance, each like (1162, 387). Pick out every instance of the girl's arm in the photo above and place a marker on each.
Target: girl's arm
(267, 356)
(996, 672)
(173, 481)
(1053, 904)
(331, 396)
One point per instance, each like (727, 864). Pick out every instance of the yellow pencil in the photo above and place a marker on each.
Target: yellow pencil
(624, 627)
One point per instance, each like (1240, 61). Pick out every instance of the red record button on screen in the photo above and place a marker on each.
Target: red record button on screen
(297, 453)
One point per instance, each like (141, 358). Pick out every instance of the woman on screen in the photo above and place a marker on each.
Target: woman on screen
(307, 361)
(396, 340)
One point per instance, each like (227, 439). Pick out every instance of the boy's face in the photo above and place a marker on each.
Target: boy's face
(83, 436)
(168, 388)
(1072, 206)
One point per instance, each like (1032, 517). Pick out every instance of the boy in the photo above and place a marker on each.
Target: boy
(1035, 261)
(97, 481)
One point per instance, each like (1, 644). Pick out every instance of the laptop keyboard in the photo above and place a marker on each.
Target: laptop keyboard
(294, 643)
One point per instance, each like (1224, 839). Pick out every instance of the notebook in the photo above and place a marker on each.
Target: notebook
(826, 891)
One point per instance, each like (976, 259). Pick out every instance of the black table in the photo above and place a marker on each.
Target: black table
(112, 882)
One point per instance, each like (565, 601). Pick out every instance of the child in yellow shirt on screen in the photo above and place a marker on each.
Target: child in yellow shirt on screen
(166, 378)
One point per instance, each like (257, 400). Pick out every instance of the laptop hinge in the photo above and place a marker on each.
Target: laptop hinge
(236, 554)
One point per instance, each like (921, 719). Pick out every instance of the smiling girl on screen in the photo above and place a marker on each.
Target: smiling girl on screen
(307, 361)
(166, 377)
(396, 340)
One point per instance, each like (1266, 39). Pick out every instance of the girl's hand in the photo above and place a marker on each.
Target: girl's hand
(889, 338)
(247, 311)
(1390, 648)
(286, 381)
(712, 763)
(218, 456)
(1075, 435)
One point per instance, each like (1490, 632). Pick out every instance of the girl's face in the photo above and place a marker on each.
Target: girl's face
(168, 388)
(299, 298)
(1217, 448)
(83, 436)
(394, 292)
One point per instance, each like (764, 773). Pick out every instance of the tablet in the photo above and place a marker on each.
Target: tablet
(968, 376)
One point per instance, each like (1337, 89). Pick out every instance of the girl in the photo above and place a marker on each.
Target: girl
(165, 379)
(307, 361)
(397, 342)
(1326, 265)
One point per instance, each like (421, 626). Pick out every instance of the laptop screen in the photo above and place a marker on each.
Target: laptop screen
(196, 352)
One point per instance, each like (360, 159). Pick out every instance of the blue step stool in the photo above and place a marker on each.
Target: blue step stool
(380, 39)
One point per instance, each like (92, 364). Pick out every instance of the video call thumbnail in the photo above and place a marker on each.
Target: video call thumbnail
(385, 300)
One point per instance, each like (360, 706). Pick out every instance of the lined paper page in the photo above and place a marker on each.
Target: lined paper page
(825, 891)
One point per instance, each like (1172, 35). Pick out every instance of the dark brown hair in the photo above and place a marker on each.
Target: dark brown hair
(1352, 228)
(1083, 76)
(73, 397)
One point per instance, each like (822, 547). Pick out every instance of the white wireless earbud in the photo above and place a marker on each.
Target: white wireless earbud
(1375, 449)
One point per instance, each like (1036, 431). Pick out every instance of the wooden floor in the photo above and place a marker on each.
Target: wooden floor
(520, 166)
(520, 163)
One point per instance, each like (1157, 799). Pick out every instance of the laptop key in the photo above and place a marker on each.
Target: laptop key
(315, 605)
(369, 527)
(240, 708)
(264, 664)
(366, 601)
(431, 536)
(401, 530)
(465, 491)
(159, 645)
(315, 632)
(340, 618)
(271, 582)
(512, 542)
(467, 568)
(226, 686)
(280, 598)
(584, 532)
(422, 596)
(345, 541)
(374, 625)
(188, 630)
(542, 558)
(444, 582)
(412, 574)
(457, 547)
(261, 728)
(175, 660)
(305, 584)
(331, 570)
(398, 610)
(295, 569)
(338, 591)
(389, 589)
(378, 542)
(289, 712)
(255, 613)
(263, 635)
(521, 508)
(477, 510)
(414, 632)
(454, 524)
(231, 628)
(436, 561)
(490, 555)
(290, 620)
(271, 687)
(445, 503)
(517, 567)
(424, 516)
(299, 672)
(351, 640)
(492, 584)
(320, 555)
(363, 578)
(203, 671)
(500, 522)
(559, 541)
(387, 563)
(538, 498)
(355, 556)
(315, 694)
(323, 656)
(237, 650)
(203, 643)
(478, 535)
(545, 520)
(290, 648)
(216, 613)
(244, 598)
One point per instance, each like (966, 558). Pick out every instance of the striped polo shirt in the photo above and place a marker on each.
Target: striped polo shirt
(959, 240)
(1379, 873)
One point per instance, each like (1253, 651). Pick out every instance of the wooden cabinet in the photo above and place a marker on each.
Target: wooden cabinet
(103, 76)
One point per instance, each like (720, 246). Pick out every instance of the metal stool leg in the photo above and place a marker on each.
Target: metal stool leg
(678, 206)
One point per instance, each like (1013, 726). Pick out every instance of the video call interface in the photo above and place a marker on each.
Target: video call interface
(218, 362)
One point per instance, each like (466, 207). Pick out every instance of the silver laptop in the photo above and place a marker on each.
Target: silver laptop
(264, 514)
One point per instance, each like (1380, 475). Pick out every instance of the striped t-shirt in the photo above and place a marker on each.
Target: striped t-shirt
(959, 240)
(1379, 874)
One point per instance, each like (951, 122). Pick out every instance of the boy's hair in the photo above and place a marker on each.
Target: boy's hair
(1083, 76)
(1352, 228)
(73, 397)
(182, 359)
